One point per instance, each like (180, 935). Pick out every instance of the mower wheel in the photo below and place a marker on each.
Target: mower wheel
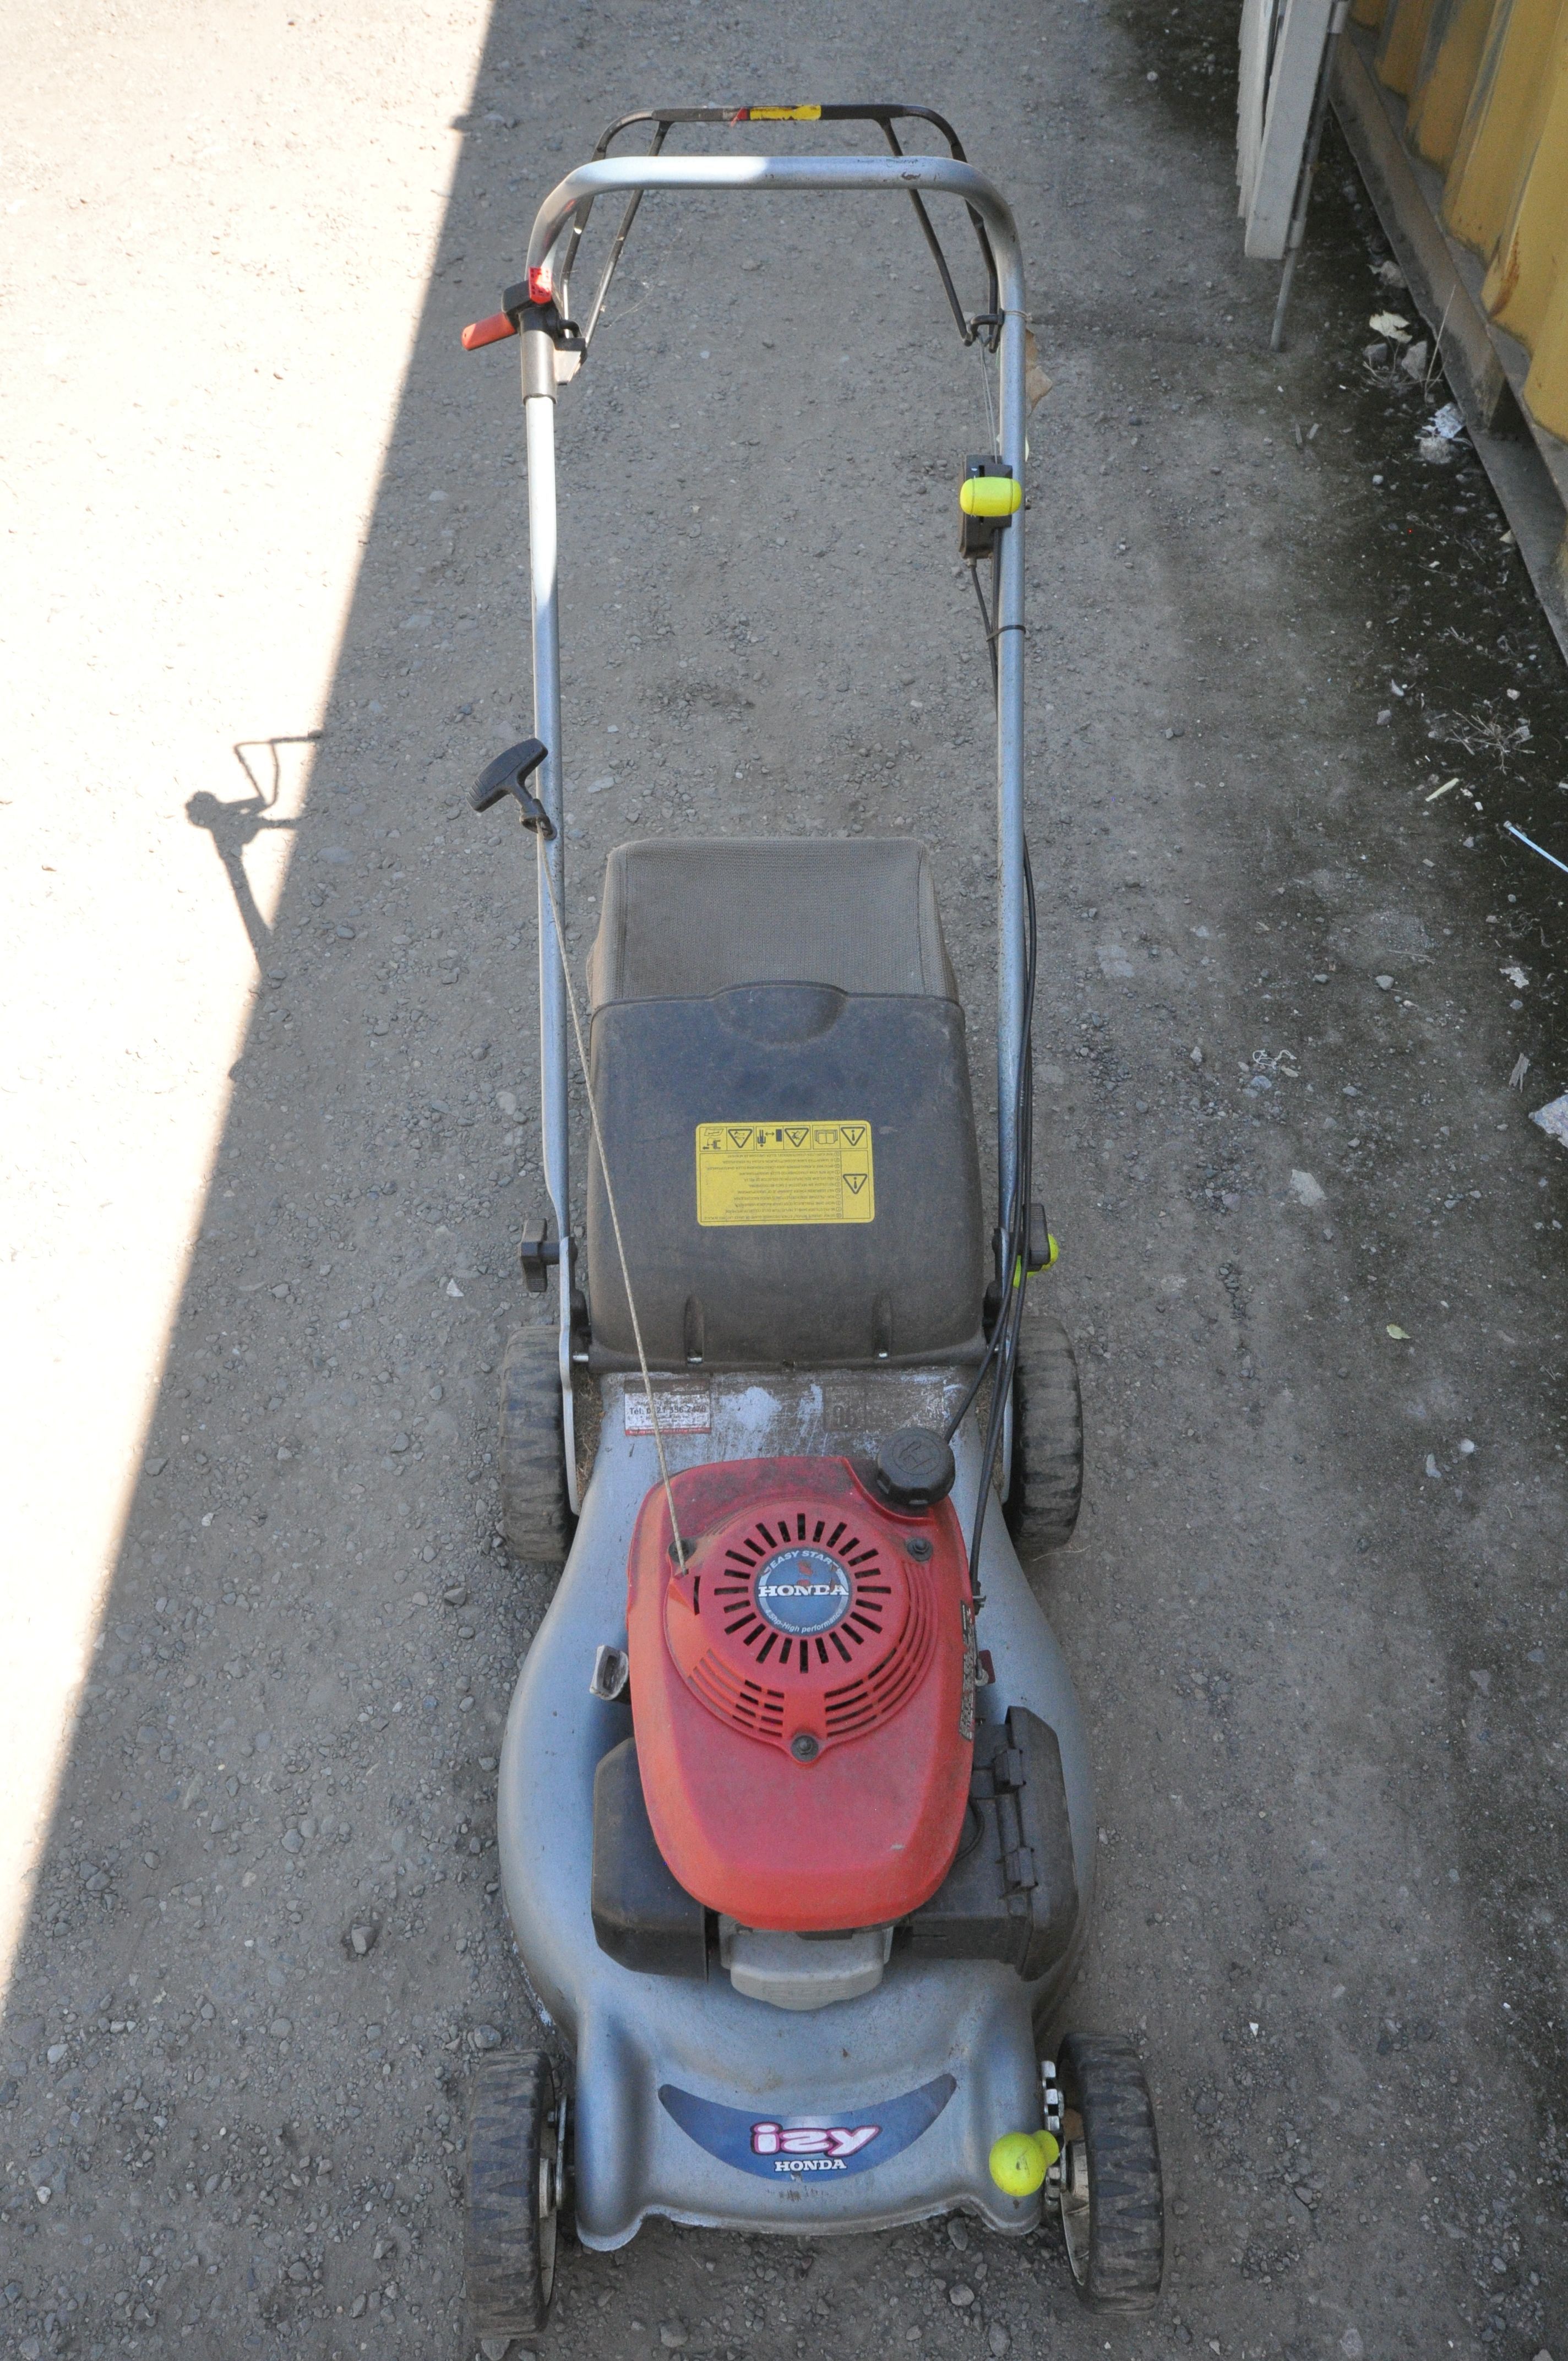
(516, 2178)
(1046, 1481)
(536, 1515)
(1113, 2203)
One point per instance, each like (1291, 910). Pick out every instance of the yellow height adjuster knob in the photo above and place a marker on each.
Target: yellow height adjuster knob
(1020, 2161)
(990, 496)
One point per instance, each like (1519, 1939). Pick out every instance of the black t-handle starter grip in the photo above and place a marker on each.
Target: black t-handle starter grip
(508, 775)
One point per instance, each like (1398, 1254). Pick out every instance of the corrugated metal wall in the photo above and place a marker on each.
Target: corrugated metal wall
(1485, 86)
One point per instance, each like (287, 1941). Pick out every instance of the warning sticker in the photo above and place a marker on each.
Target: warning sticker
(683, 1409)
(776, 1175)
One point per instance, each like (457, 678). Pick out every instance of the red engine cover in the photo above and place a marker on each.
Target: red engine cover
(802, 1693)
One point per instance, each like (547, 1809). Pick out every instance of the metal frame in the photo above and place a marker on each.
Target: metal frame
(553, 244)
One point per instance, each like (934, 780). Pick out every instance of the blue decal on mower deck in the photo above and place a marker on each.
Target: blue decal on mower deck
(793, 2146)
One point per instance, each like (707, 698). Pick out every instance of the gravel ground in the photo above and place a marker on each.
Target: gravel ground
(1312, 1244)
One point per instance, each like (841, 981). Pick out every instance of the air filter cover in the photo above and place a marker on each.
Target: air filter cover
(803, 1693)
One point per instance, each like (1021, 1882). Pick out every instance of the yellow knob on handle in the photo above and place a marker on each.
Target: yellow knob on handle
(990, 496)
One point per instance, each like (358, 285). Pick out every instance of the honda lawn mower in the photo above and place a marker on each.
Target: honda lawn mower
(795, 1814)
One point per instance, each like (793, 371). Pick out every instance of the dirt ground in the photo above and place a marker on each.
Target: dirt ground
(271, 1077)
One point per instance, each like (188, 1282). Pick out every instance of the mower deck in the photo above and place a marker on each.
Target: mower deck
(678, 2082)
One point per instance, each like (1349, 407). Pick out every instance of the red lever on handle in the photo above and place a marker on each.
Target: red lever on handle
(487, 331)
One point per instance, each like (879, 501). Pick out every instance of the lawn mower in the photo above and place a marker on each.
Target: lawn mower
(795, 1816)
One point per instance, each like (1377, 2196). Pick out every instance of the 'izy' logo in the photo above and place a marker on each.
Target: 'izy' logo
(851, 2139)
(811, 2148)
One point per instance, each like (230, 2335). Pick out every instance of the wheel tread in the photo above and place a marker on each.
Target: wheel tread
(1103, 2076)
(535, 1512)
(1047, 1448)
(511, 2096)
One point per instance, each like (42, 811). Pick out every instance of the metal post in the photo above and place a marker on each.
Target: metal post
(539, 427)
(1298, 230)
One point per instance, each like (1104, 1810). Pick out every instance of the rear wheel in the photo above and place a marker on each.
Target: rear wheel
(1046, 1481)
(1113, 2203)
(536, 1514)
(516, 2178)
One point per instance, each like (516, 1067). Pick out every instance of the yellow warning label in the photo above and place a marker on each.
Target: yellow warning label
(774, 1175)
(784, 114)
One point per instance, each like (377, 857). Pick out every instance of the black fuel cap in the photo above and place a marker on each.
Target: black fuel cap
(915, 1468)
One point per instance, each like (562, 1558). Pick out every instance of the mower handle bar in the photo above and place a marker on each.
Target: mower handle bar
(569, 203)
(885, 114)
(553, 242)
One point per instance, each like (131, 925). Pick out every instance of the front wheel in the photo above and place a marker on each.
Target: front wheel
(517, 2169)
(1113, 2200)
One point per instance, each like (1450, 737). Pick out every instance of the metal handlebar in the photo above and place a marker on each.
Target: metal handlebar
(664, 119)
(564, 211)
(540, 309)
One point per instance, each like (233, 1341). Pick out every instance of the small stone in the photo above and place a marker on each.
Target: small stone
(43, 2193)
(494, 2349)
(1351, 2345)
(672, 2335)
(298, 2271)
(400, 1443)
(293, 1841)
(360, 1939)
(457, 1595)
(156, 1467)
(998, 2339)
(959, 2296)
(280, 2028)
(485, 2037)
(55, 2052)
(1383, 982)
(957, 2234)
(357, 2307)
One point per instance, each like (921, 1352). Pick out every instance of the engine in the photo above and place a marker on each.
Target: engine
(803, 1693)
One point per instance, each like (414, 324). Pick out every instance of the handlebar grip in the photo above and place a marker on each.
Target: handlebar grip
(487, 331)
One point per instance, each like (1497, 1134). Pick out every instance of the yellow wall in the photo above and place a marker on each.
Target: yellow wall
(1456, 39)
(1486, 83)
